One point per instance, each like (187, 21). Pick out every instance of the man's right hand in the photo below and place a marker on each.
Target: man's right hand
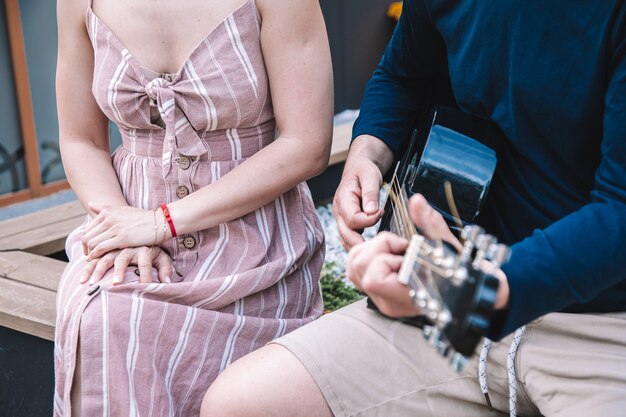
(355, 205)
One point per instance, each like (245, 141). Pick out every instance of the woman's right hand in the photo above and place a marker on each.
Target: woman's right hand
(145, 257)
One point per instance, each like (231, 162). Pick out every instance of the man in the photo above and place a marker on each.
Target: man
(552, 75)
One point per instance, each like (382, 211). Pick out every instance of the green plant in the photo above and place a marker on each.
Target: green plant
(336, 291)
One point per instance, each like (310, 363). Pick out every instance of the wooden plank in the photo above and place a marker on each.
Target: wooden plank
(28, 293)
(41, 218)
(29, 310)
(34, 270)
(43, 232)
(44, 240)
(342, 135)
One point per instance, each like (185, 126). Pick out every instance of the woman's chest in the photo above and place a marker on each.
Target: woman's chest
(162, 34)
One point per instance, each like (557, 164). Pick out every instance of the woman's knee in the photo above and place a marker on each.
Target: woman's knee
(268, 382)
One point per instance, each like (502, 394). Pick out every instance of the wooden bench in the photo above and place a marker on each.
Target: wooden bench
(43, 232)
(29, 280)
(28, 287)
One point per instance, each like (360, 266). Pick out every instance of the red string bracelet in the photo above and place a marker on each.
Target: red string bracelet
(168, 219)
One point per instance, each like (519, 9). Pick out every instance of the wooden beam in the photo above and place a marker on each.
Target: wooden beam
(54, 187)
(28, 286)
(16, 197)
(24, 195)
(23, 94)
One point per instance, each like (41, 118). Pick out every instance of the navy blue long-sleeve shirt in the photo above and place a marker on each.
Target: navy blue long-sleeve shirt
(552, 75)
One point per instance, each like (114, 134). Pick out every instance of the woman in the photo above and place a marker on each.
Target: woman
(205, 196)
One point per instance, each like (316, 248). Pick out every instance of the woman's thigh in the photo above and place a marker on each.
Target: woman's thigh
(267, 382)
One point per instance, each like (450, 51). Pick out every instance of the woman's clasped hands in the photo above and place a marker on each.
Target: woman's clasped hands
(121, 236)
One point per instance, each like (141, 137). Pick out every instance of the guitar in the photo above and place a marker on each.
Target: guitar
(453, 170)
(452, 146)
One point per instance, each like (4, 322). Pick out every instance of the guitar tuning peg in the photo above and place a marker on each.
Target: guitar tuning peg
(434, 306)
(499, 254)
(460, 275)
(484, 241)
(426, 332)
(458, 362)
(432, 335)
(490, 253)
(443, 318)
(443, 348)
(471, 232)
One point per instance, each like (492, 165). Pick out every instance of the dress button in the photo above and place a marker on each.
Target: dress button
(184, 162)
(189, 242)
(182, 191)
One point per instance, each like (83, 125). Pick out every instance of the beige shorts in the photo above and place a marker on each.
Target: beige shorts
(367, 365)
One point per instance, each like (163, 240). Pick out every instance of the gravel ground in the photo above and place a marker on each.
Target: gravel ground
(335, 253)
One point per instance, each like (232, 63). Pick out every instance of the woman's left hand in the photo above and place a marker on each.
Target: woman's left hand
(121, 227)
(145, 258)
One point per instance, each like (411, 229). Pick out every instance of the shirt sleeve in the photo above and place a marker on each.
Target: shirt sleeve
(400, 87)
(583, 254)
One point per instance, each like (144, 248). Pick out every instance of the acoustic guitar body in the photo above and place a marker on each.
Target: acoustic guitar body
(453, 146)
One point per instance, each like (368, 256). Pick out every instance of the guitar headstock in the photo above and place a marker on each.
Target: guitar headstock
(455, 291)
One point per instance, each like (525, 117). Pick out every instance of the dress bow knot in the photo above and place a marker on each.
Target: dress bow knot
(180, 136)
(154, 86)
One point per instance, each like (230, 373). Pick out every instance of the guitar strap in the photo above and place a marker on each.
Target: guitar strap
(417, 321)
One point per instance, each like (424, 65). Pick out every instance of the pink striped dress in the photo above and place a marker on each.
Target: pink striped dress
(153, 349)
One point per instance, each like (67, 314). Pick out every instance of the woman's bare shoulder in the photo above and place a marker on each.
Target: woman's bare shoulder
(273, 7)
(71, 12)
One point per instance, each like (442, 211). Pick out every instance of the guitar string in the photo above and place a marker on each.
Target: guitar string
(394, 216)
(400, 210)
(406, 227)
(399, 205)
